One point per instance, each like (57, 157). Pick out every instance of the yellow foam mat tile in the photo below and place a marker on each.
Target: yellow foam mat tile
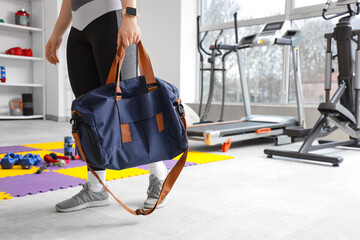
(47, 146)
(201, 158)
(4, 195)
(130, 172)
(17, 171)
(81, 172)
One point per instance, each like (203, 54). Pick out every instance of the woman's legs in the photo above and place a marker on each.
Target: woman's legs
(84, 77)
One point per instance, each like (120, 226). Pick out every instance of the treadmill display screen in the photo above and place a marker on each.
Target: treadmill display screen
(273, 26)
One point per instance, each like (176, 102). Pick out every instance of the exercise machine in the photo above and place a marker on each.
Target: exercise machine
(213, 54)
(342, 110)
(255, 126)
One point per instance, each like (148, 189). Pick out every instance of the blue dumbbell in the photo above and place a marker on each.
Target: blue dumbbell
(29, 160)
(10, 160)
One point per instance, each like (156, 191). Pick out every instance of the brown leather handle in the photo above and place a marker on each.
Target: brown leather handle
(144, 66)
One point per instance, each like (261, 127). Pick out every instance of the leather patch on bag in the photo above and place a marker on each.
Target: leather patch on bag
(125, 133)
(160, 121)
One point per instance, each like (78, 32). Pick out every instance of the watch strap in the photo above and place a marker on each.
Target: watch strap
(129, 11)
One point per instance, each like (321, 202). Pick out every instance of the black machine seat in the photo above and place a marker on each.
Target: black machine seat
(337, 109)
(297, 131)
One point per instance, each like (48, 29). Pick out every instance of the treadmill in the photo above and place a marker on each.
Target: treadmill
(257, 126)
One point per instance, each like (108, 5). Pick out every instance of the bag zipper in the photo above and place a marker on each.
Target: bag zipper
(172, 87)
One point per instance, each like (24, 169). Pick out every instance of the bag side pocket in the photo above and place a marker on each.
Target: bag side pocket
(88, 142)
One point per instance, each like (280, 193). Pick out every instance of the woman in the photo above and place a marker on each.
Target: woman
(91, 47)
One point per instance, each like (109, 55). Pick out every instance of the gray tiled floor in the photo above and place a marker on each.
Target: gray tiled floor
(249, 197)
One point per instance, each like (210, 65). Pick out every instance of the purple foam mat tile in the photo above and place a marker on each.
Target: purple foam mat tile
(59, 150)
(72, 164)
(36, 183)
(8, 149)
(169, 164)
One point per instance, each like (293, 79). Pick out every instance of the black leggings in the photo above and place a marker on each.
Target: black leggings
(91, 52)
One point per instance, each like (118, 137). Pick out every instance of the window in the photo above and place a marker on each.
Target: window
(231, 65)
(263, 71)
(220, 11)
(312, 58)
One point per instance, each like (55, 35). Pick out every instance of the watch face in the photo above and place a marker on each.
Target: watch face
(131, 11)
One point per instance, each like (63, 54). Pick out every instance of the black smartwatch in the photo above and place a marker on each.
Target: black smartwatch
(129, 11)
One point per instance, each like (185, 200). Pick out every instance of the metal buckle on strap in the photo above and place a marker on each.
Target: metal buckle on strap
(179, 108)
(75, 125)
(152, 87)
(140, 211)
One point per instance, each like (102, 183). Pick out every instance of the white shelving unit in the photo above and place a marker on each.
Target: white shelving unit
(20, 28)
(23, 74)
(22, 85)
(21, 57)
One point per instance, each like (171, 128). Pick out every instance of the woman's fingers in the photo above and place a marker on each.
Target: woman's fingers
(137, 39)
(53, 59)
(49, 57)
(125, 41)
(129, 38)
(56, 58)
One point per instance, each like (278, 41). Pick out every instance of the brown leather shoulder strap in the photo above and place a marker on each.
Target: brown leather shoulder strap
(167, 185)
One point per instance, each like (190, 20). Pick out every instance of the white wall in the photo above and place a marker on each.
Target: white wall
(51, 71)
(159, 23)
(169, 35)
(189, 63)
(58, 93)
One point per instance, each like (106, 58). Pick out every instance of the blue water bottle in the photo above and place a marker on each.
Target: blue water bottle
(68, 146)
(2, 74)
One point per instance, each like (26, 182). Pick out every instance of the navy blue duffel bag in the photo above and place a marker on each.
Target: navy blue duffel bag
(130, 123)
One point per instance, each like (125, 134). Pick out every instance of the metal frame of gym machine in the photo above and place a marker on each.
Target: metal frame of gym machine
(213, 54)
(252, 126)
(342, 110)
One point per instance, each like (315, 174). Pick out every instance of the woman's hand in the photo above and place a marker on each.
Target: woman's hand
(51, 49)
(129, 32)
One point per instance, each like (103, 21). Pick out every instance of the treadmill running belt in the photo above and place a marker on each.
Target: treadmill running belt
(231, 128)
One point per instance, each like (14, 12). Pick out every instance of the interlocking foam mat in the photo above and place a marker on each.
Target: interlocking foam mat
(18, 182)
